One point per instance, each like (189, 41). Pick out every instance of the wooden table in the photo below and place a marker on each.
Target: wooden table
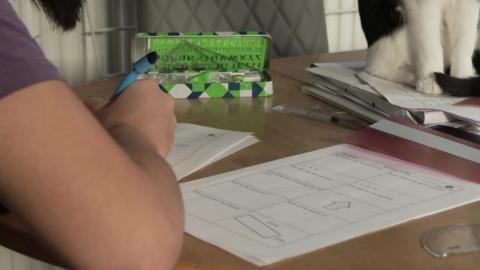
(283, 135)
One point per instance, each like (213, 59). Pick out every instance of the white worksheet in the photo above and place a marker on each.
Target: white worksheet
(198, 146)
(285, 208)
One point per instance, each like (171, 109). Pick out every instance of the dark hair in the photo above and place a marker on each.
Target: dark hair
(63, 13)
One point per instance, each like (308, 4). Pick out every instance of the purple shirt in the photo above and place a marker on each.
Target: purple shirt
(22, 62)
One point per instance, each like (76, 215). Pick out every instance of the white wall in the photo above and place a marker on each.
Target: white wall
(343, 26)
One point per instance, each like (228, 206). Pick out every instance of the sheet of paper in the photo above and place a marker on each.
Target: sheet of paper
(345, 73)
(336, 75)
(281, 209)
(343, 102)
(198, 146)
(350, 73)
(407, 97)
(341, 80)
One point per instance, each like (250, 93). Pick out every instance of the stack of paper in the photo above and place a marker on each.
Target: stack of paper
(197, 146)
(346, 85)
(288, 207)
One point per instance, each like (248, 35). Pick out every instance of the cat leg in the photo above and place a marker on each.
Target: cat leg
(424, 27)
(461, 20)
(389, 58)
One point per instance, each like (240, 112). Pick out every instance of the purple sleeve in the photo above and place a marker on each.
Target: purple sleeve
(22, 62)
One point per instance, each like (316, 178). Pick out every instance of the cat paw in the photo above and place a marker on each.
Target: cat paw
(429, 86)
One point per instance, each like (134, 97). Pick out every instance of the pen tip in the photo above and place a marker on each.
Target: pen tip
(152, 58)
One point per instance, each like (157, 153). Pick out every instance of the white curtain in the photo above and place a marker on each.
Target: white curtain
(343, 26)
(98, 47)
(65, 50)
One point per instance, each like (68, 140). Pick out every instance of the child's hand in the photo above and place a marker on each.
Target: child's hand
(144, 107)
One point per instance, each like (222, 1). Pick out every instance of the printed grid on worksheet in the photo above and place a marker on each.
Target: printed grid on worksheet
(292, 203)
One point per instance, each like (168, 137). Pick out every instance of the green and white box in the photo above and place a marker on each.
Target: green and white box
(208, 64)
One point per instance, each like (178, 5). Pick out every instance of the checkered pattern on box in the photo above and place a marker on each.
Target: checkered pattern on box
(219, 90)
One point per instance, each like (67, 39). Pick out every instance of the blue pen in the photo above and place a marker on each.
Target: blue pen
(139, 67)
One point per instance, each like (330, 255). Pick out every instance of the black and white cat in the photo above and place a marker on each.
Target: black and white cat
(420, 42)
